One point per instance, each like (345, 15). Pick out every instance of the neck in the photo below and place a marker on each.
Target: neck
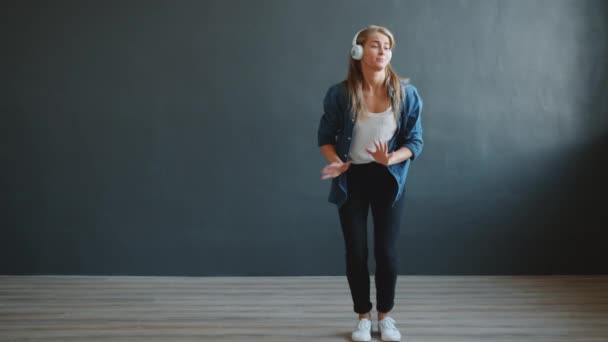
(373, 81)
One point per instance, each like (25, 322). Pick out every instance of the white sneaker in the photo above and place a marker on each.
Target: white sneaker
(388, 330)
(363, 332)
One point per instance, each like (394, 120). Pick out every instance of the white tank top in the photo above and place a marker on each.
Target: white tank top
(371, 127)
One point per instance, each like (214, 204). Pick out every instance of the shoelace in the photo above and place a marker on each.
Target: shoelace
(388, 323)
(364, 324)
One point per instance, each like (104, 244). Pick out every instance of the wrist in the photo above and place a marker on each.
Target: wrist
(391, 159)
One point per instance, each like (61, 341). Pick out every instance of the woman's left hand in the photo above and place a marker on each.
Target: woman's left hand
(381, 155)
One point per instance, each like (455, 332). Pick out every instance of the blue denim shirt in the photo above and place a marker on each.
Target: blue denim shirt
(336, 128)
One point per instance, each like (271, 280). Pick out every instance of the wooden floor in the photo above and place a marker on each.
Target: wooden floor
(428, 308)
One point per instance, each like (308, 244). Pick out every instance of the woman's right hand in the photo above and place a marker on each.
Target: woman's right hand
(334, 169)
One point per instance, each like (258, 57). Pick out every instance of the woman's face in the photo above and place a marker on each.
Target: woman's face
(377, 51)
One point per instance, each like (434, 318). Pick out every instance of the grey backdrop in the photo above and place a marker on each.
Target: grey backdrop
(179, 137)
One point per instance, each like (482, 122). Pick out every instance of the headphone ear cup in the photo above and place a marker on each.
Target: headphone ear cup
(356, 52)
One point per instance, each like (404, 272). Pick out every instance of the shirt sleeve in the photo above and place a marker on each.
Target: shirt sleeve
(329, 123)
(413, 132)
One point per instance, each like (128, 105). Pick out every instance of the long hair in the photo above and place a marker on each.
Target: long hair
(354, 80)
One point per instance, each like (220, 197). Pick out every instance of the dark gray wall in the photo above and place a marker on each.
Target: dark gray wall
(179, 138)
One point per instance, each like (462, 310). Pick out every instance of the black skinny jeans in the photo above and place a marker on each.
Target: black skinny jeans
(371, 185)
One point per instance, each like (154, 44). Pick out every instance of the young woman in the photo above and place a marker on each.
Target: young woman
(369, 133)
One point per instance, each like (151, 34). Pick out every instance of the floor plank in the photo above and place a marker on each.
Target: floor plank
(428, 308)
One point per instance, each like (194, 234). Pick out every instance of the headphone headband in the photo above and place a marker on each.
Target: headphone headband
(357, 36)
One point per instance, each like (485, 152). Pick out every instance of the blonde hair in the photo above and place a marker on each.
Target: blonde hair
(354, 79)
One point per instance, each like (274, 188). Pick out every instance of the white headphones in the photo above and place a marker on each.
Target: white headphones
(356, 52)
